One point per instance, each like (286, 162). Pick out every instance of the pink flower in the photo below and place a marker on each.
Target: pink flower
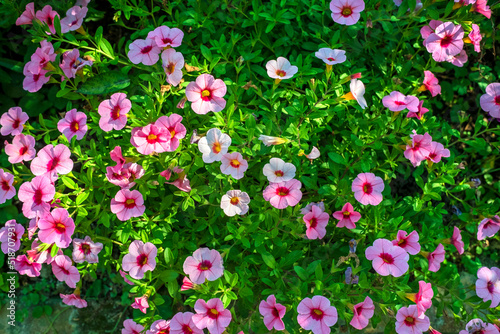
(114, 112)
(490, 101)
(117, 156)
(70, 62)
(458, 60)
(144, 51)
(308, 208)
(435, 258)
(187, 284)
(27, 16)
(166, 37)
(141, 257)
(44, 54)
(204, 264)
(172, 63)
(423, 298)
(362, 313)
(346, 11)
(124, 275)
(272, 313)
(211, 315)
(34, 77)
(181, 182)
(456, 240)
(446, 40)
(38, 255)
(86, 250)
(7, 190)
(36, 194)
(73, 300)
(159, 327)
(437, 151)
(314, 154)
(74, 19)
(421, 110)
(283, 194)
(206, 94)
(347, 216)
(26, 266)
(21, 149)
(182, 323)
(420, 148)
(124, 175)
(357, 90)
(475, 37)
(477, 326)
(127, 204)
(387, 258)
(487, 228)
(56, 227)
(331, 57)
(47, 15)
(279, 171)
(174, 126)
(431, 83)
(74, 123)
(10, 236)
(141, 303)
(64, 271)
(52, 159)
(408, 322)
(281, 69)
(426, 31)
(368, 188)
(316, 315)
(409, 242)
(396, 101)
(481, 7)
(235, 202)
(488, 285)
(233, 164)
(214, 145)
(12, 121)
(131, 327)
(316, 222)
(150, 139)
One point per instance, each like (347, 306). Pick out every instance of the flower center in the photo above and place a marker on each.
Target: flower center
(330, 59)
(235, 163)
(399, 103)
(313, 222)
(367, 188)
(346, 11)
(216, 147)
(280, 73)
(5, 185)
(497, 100)
(409, 321)
(146, 49)
(60, 228)
(282, 191)
(52, 164)
(37, 197)
(36, 77)
(446, 41)
(171, 68)
(130, 203)
(186, 329)
(204, 265)
(115, 113)
(316, 314)
(15, 125)
(142, 259)
(49, 21)
(490, 287)
(172, 132)
(85, 249)
(206, 95)
(358, 310)
(74, 126)
(166, 41)
(213, 313)
(279, 173)
(387, 258)
(402, 243)
(234, 200)
(346, 214)
(432, 156)
(152, 137)
(23, 150)
(275, 313)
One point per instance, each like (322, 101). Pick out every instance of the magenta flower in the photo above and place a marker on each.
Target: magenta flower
(396, 101)
(74, 123)
(140, 258)
(431, 83)
(131, 327)
(409, 242)
(477, 326)
(235, 202)
(211, 315)
(86, 250)
(475, 38)
(26, 266)
(12, 121)
(127, 204)
(159, 327)
(346, 11)
(7, 190)
(35, 195)
(347, 216)
(174, 126)
(488, 227)
(73, 300)
(166, 37)
(316, 222)
(34, 77)
(204, 264)
(182, 323)
(362, 313)
(456, 240)
(52, 159)
(117, 156)
(435, 258)
(233, 164)
(144, 51)
(446, 40)
(141, 303)
(437, 151)
(72, 63)
(10, 236)
(214, 145)
(408, 322)
(490, 102)
(316, 315)
(279, 171)
(421, 110)
(47, 15)
(331, 57)
(44, 54)
(272, 313)
(281, 69)
(206, 94)
(420, 148)
(423, 298)
(118, 175)
(488, 285)
(114, 112)
(368, 188)
(172, 63)
(150, 139)
(481, 7)
(27, 16)
(283, 194)
(64, 270)
(387, 258)
(21, 149)
(187, 284)
(181, 182)
(56, 227)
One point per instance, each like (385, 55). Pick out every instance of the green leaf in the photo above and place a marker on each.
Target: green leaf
(268, 259)
(54, 250)
(69, 182)
(168, 255)
(81, 198)
(57, 25)
(301, 272)
(105, 83)
(98, 35)
(206, 52)
(168, 276)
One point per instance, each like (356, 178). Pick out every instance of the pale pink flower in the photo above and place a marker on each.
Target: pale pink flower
(114, 112)
(182, 323)
(233, 164)
(490, 101)
(27, 16)
(408, 322)
(166, 37)
(82, 3)
(279, 171)
(204, 264)
(33, 227)
(21, 149)
(141, 303)
(74, 123)
(74, 19)
(421, 110)
(56, 227)
(308, 208)
(347, 216)
(34, 77)
(47, 15)
(38, 255)
(488, 285)
(331, 57)
(477, 326)
(316, 222)
(211, 315)
(269, 140)
(409, 242)
(26, 266)
(35, 195)
(7, 190)
(426, 31)
(368, 188)
(73, 300)
(281, 69)
(456, 240)
(159, 327)
(423, 298)
(52, 159)
(357, 91)
(435, 258)
(44, 54)
(86, 250)
(235, 202)
(144, 51)
(172, 63)
(214, 145)
(488, 227)
(64, 270)
(458, 60)
(131, 327)
(118, 175)
(387, 258)
(124, 275)
(475, 37)
(396, 101)
(431, 83)
(10, 236)
(421, 146)
(273, 313)
(181, 182)
(362, 313)
(174, 126)
(187, 284)
(206, 94)
(316, 315)
(314, 154)
(12, 121)
(481, 7)
(72, 63)
(446, 40)
(127, 204)
(346, 11)
(150, 139)
(283, 194)
(141, 257)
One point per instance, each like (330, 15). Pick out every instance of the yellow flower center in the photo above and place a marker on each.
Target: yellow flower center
(205, 93)
(152, 137)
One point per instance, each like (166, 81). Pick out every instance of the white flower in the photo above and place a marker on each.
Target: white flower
(235, 202)
(280, 69)
(214, 145)
(269, 140)
(331, 57)
(358, 90)
(279, 171)
(314, 153)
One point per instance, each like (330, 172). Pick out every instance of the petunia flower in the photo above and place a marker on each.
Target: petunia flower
(396, 101)
(421, 110)
(25, 266)
(172, 63)
(488, 227)
(431, 83)
(308, 208)
(331, 57)
(206, 94)
(74, 19)
(233, 164)
(181, 182)
(204, 264)
(141, 303)
(368, 188)
(475, 38)
(283, 194)
(73, 300)
(38, 255)
(477, 326)
(74, 123)
(127, 204)
(27, 16)
(458, 60)
(281, 69)
(423, 298)
(56, 227)
(10, 236)
(363, 312)
(159, 327)
(124, 275)
(72, 63)
(357, 93)
(279, 171)
(346, 11)
(490, 102)
(446, 40)
(35, 195)
(140, 258)
(349, 279)
(174, 126)
(481, 7)
(456, 240)
(44, 54)
(114, 112)
(314, 154)
(409, 242)
(166, 37)
(488, 285)
(214, 145)
(273, 313)
(211, 315)
(387, 258)
(144, 51)
(21, 149)
(52, 159)
(316, 222)
(131, 327)
(316, 315)
(408, 322)
(435, 258)
(269, 140)
(47, 15)
(235, 202)
(420, 148)
(86, 250)
(347, 216)
(187, 284)
(182, 323)
(150, 138)
(34, 77)
(7, 190)
(12, 121)
(64, 270)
